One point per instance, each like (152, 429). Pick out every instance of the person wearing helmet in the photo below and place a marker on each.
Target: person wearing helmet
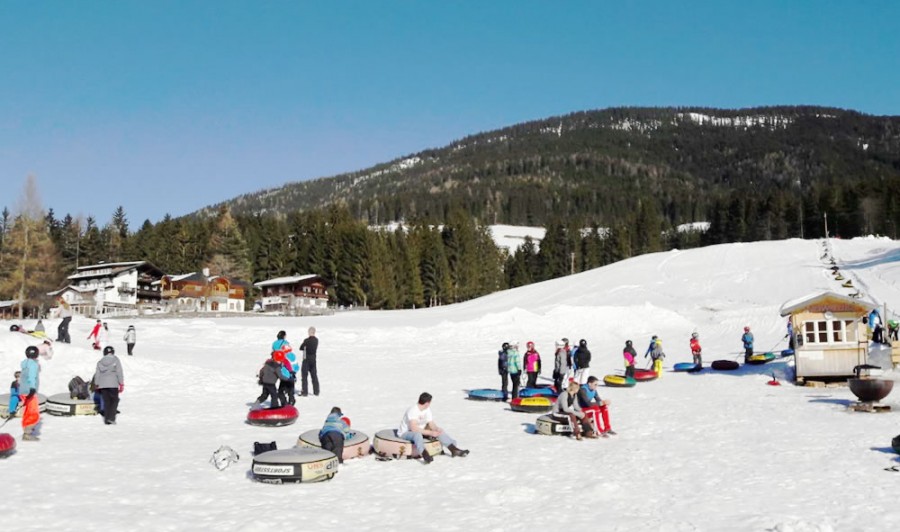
(561, 361)
(656, 354)
(110, 380)
(696, 350)
(29, 380)
(629, 354)
(747, 339)
(532, 364)
(288, 379)
(582, 360)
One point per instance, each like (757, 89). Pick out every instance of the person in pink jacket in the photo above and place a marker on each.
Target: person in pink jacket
(696, 350)
(629, 354)
(532, 364)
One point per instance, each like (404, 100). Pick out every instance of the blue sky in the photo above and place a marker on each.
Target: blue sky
(170, 106)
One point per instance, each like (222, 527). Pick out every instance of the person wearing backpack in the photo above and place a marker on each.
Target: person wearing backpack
(532, 364)
(582, 360)
(29, 380)
(629, 354)
(130, 339)
(334, 432)
(109, 378)
(656, 354)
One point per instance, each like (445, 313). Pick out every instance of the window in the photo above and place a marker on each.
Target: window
(829, 332)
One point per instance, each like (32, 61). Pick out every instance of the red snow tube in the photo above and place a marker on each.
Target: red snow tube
(7, 445)
(725, 365)
(273, 417)
(642, 375)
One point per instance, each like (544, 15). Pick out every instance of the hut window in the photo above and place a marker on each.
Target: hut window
(837, 331)
(825, 332)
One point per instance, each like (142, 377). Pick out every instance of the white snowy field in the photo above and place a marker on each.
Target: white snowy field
(713, 451)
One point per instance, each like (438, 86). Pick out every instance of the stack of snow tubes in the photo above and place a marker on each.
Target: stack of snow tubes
(62, 404)
(273, 417)
(532, 405)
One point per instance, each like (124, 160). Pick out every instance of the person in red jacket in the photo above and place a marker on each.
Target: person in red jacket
(532, 364)
(95, 334)
(696, 349)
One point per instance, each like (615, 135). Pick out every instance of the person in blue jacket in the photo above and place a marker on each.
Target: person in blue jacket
(334, 432)
(29, 382)
(747, 339)
(14, 394)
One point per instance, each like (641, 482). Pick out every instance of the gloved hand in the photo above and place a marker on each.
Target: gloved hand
(31, 393)
(122, 387)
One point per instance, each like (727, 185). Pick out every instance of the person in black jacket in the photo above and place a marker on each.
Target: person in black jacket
(582, 359)
(308, 366)
(268, 376)
(503, 369)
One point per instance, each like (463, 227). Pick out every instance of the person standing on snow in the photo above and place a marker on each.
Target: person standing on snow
(582, 361)
(14, 394)
(747, 340)
(103, 336)
(95, 334)
(308, 366)
(130, 339)
(560, 364)
(532, 364)
(29, 379)
(656, 354)
(629, 354)
(65, 312)
(696, 350)
(286, 387)
(503, 369)
(110, 380)
(792, 341)
(514, 366)
(877, 326)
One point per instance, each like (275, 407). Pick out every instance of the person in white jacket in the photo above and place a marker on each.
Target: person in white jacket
(130, 339)
(103, 336)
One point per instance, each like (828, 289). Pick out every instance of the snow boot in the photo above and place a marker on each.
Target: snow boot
(29, 435)
(456, 451)
(427, 457)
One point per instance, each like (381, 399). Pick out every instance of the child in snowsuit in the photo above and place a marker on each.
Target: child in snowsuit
(560, 365)
(590, 402)
(14, 394)
(747, 340)
(29, 380)
(334, 432)
(695, 350)
(532, 364)
(629, 354)
(656, 354)
(268, 376)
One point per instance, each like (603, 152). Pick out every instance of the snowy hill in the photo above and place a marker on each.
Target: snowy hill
(693, 452)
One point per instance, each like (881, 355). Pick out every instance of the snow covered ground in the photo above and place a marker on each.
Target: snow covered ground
(694, 452)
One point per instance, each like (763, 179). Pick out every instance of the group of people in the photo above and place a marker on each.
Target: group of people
(108, 380)
(281, 369)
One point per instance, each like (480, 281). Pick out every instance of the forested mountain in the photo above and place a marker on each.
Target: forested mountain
(767, 166)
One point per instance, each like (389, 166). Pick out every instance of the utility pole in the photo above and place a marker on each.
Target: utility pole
(572, 263)
(800, 205)
(826, 224)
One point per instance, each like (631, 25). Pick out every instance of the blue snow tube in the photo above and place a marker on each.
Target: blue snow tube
(537, 392)
(485, 394)
(684, 366)
(787, 352)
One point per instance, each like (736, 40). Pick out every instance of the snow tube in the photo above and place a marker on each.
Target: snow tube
(544, 391)
(387, 443)
(7, 445)
(355, 446)
(895, 444)
(485, 394)
(643, 375)
(618, 381)
(294, 465)
(725, 365)
(761, 358)
(62, 404)
(684, 366)
(787, 352)
(13, 328)
(532, 405)
(552, 426)
(4, 405)
(273, 417)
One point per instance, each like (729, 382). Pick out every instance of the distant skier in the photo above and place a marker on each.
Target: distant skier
(696, 350)
(629, 354)
(532, 364)
(655, 352)
(747, 339)
(582, 361)
(560, 365)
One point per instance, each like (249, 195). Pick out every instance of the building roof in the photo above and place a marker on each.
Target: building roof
(9, 303)
(286, 280)
(107, 269)
(792, 306)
